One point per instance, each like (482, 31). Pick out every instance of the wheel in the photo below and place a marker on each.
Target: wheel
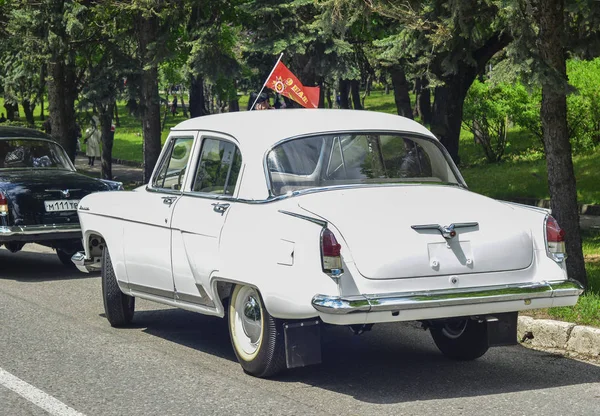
(256, 336)
(118, 306)
(461, 339)
(65, 257)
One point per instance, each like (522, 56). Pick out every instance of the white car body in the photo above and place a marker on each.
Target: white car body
(185, 248)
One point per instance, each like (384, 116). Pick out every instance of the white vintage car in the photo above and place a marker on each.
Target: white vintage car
(283, 221)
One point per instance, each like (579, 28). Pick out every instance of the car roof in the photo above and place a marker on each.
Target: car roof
(267, 127)
(10, 131)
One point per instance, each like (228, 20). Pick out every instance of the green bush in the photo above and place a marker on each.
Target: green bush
(584, 104)
(486, 113)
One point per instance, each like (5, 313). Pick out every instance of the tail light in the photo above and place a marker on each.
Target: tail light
(555, 240)
(3, 205)
(331, 257)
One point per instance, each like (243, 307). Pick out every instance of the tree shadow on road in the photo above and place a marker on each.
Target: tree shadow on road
(31, 267)
(394, 363)
(398, 363)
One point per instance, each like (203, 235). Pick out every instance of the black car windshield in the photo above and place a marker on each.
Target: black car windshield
(356, 159)
(32, 154)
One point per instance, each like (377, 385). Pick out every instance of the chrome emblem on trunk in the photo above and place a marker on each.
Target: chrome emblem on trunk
(447, 231)
(65, 193)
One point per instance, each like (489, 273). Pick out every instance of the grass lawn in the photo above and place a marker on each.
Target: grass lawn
(587, 309)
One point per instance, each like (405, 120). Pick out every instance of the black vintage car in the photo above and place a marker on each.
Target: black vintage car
(39, 193)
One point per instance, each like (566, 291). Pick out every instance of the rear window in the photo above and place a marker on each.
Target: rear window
(355, 159)
(32, 154)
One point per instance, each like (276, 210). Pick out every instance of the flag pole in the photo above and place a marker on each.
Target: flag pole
(267, 80)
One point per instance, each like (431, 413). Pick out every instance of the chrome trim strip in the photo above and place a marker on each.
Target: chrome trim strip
(203, 299)
(149, 290)
(38, 229)
(448, 297)
(305, 217)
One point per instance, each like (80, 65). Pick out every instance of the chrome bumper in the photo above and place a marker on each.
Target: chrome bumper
(31, 233)
(84, 264)
(447, 297)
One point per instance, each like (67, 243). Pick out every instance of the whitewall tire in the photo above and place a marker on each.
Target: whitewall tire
(256, 337)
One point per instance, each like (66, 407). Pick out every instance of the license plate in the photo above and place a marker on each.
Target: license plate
(59, 206)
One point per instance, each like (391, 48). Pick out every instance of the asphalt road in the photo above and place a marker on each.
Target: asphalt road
(58, 350)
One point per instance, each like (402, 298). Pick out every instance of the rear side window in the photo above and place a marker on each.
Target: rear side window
(218, 167)
(174, 164)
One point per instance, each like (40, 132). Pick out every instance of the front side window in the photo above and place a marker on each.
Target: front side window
(32, 154)
(218, 167)
(355, 159)
(175, 163)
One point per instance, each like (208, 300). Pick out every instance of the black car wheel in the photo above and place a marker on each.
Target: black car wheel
(464, 339)
(118, 306)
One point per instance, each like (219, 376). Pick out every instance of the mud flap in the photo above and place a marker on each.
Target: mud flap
(502, 329)
(302, 343)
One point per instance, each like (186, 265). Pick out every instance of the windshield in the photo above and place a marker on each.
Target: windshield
(34, 154)
(356, 159)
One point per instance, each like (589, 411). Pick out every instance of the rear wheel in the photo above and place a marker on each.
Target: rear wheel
(256, 336)
(461, 339)
(118, 306)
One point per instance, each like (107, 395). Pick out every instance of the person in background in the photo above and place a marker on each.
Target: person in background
(2, 118)
(262, 103)
(174, 106)
(92, 139)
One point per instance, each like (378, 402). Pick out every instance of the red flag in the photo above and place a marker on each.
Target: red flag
(285, 83)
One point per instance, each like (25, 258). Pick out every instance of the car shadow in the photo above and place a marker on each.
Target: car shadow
(393, 363)
(31, 266)
(204, 333)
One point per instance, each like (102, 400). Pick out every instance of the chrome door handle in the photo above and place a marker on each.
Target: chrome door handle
(168, 200)
(220, 208)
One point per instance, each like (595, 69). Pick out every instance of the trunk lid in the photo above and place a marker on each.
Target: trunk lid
(27, 190)
(376, 224)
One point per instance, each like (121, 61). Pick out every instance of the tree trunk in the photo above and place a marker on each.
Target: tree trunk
(197, 99)
(355, 90)
(449, 98)
(149, 98)
(448, 111)
(41, 88)
(423, 104)
(344, 90)
(108, 137)
(561, 178)
(117, 120)
(401, 96)
(28, 110)
(183, 107)
(61, 104)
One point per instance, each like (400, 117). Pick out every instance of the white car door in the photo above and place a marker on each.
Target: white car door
(147, 239)
(199, 217)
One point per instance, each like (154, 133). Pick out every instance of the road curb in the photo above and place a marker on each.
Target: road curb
(559, 336)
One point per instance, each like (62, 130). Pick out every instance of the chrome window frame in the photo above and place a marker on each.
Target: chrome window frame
(165, 157)
(408, 135)
(202, 136)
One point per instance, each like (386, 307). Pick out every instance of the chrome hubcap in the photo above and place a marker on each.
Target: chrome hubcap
(251, 319)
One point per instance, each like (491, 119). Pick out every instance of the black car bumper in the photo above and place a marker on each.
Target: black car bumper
(37, 233)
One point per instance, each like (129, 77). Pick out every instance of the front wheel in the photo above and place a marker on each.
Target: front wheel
(461, 339)
(256, 336)
(118, 306)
